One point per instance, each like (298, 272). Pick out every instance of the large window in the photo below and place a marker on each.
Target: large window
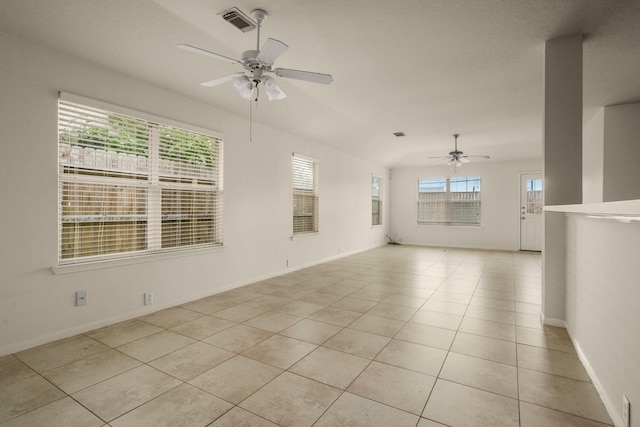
(449, 201)
(305, 194)
(133, 186)
(376, 200)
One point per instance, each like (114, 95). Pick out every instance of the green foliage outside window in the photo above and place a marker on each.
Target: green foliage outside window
(123, 134)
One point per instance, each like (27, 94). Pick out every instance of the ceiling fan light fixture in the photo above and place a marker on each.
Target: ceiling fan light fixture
(272, 89)
(243, 85)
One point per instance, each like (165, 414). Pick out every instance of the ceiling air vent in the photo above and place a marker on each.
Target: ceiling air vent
(238, 19)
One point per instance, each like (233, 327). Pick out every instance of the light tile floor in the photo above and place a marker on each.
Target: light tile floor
(399, 335)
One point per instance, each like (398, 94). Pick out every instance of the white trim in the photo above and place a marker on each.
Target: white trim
(457, 246)
(135, 258)
(550, 321)
(445, 226)
(303, 157)
(622, 208)
(301, 236)
(609, 406)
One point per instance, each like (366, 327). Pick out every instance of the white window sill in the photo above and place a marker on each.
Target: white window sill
(452, 227)
(133, 259)
(304, 236)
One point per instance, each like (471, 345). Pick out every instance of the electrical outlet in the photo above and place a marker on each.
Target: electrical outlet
(626, 411)
(81, 297)
(148, 298)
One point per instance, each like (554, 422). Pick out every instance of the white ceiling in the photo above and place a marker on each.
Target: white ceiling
(429, 68)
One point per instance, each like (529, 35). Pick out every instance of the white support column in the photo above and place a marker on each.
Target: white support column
(562, 162)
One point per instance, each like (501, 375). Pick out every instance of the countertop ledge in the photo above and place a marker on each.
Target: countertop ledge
(626, 211)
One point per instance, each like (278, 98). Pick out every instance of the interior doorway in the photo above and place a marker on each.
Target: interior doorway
(531, 211)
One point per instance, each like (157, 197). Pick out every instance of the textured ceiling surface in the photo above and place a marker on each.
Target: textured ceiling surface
(429, 68)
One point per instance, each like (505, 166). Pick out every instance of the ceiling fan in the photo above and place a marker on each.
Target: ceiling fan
(456, 157)
(257, 64)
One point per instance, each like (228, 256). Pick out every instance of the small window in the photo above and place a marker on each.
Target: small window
(376, 200)
(449, 201)
(305, 195)
(131, 186)
(534, 196)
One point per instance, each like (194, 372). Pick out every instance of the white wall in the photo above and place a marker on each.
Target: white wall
(500, 206)
(562, 142)
(596, 260)
(592, 155)
(621, 152)
(602, 272)
(37, 305)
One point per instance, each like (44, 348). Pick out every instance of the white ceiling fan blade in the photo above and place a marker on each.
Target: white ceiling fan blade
(220, 80)
(477, 157)
(304, 75)
(272, 89)
(199, 51)
(464, 159)
(271, 50)
(440, 157)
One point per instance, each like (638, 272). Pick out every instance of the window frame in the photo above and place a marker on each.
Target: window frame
(154, 181)
(448, 202)
(309, 194)
(376, 201)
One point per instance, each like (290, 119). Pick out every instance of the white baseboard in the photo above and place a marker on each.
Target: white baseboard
(550, 321)
(609, 406)
(450, 246)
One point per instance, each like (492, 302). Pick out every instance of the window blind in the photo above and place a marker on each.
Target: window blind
(129, 185)
(449, 201)
(305, 194)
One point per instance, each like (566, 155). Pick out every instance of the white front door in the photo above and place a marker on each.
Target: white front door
(531, 212)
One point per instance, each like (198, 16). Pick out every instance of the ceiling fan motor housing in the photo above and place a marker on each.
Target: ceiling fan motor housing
(259, 15)
(248, 58)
